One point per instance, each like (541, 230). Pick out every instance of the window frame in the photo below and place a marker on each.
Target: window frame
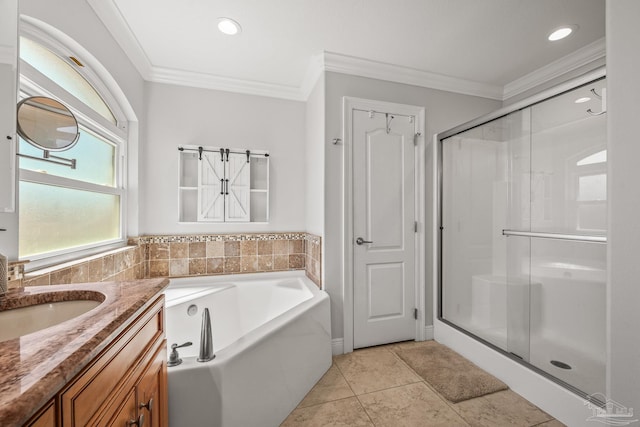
(32, 82)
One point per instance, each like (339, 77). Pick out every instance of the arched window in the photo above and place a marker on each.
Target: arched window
(66, 211)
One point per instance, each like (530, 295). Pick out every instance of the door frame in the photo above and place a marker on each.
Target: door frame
(349, 104)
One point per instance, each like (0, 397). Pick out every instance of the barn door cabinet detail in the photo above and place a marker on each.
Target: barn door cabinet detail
(223, 185)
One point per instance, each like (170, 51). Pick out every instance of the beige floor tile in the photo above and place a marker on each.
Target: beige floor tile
(408, 406)
(501, 409)
(374, 369)
(552, 423)
(339, 413)
(332, 386)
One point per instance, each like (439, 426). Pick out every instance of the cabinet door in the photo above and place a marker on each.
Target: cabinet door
(211, 187)
(127, 415)
(46, 417)
(238, 173)
(8, 98)
(152, 391)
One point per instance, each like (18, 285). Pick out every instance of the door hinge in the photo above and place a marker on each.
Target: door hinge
(415, 138)
(415, 226)
(415, 313)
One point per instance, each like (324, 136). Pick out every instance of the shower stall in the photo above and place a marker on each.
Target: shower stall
(523, 225)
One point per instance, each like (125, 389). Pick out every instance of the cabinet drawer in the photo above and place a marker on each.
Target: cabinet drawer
(113, 369)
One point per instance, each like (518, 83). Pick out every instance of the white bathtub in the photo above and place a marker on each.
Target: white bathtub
(272, 340)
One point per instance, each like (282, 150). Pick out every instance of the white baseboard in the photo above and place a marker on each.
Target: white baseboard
(337, 346)
(428, 332)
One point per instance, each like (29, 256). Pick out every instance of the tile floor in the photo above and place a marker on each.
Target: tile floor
(374, 387)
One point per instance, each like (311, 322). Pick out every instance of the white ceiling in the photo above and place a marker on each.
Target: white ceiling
(478, 46)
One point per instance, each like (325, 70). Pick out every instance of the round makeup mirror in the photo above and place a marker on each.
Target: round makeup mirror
(47, 124)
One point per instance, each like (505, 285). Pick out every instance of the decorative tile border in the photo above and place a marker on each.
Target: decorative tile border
(198, 238)
(196, 255)
(312, 238)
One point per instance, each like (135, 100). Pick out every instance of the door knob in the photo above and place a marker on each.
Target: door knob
(360, 241)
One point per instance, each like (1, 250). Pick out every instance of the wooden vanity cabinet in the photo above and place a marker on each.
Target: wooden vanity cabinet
(125, 385)
(46, 417)
(142, 404)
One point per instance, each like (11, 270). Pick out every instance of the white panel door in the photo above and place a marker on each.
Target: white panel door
(238, 193)
(211, 187)
(384, 215)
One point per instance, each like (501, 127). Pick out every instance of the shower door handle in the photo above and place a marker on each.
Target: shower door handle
(361, 241)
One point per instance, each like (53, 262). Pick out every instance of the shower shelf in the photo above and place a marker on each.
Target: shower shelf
(557, 236)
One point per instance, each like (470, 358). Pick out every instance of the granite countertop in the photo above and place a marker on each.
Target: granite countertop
(34, 367)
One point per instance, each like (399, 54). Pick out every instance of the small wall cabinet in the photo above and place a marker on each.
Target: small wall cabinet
(223, 185)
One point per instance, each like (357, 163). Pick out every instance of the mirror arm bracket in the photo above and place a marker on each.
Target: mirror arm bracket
(47, 157)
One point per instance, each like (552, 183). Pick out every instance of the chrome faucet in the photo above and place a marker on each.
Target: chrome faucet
(206, 339)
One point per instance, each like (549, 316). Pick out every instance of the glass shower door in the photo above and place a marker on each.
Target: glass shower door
(476, 195)
(568, 272)
(523, 235)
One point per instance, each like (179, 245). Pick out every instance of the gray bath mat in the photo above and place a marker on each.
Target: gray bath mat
(452, 375)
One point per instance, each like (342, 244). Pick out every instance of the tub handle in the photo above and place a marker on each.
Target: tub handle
(187, 344)
(174, 357)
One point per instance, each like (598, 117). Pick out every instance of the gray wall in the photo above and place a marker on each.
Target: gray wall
(179, 115)
(443, 111)
(623, 63)
(314, 169)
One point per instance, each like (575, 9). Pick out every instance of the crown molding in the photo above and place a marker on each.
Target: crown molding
(318, 64)
(568, 63)
(112, 18)
(379, 70)
(228, 84)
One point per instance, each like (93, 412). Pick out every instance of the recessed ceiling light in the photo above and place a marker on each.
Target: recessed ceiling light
(581, 100)
(228, 26)
(562, 32)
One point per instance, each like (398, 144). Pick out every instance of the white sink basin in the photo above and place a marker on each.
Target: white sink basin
(21, 321)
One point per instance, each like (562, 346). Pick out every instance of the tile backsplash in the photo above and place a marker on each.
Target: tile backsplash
(119, 264)
(191, 255)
